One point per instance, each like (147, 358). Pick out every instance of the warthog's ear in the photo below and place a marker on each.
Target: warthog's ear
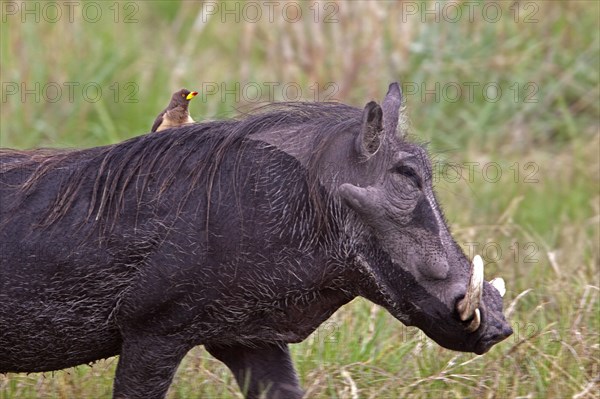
(391, 109)
(369, 139)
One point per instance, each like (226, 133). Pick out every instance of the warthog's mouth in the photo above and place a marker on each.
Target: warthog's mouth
(486, 341)
(468, 307)
(470, 311)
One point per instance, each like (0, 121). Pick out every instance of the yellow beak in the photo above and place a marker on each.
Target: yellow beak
(191, 95)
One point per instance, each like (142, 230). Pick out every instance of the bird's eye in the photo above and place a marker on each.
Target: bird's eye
(183, 95)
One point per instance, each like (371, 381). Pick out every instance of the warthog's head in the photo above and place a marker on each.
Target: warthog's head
(420, 274)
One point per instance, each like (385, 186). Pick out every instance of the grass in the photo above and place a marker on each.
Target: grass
(544, 219)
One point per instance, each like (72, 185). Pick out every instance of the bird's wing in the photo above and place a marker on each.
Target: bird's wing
(158, 121)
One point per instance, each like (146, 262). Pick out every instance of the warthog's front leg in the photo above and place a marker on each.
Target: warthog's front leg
(146, 367)
(265, 370)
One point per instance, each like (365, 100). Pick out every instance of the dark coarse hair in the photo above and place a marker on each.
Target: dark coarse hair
(113, 168)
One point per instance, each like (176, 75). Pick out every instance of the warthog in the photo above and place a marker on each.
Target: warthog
(239, 235)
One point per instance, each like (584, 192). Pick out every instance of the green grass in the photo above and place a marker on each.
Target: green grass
(548, 229)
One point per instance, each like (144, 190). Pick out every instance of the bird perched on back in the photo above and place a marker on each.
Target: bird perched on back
(176, 113)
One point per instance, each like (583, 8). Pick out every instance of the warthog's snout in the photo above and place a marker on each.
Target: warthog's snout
(472, 310)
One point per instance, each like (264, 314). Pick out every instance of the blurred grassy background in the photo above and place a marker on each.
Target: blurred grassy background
(537, 224)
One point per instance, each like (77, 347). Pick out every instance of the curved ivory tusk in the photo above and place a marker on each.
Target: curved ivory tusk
(470, 303)
(474, 324)
(499, 285)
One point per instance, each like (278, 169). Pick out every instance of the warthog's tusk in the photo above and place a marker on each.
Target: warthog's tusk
(468, 307)
(498, 284)
(474, 324)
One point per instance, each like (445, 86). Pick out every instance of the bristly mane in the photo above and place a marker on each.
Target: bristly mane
(161, 155)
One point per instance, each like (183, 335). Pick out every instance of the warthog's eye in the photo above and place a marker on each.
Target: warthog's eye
(409, 172)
